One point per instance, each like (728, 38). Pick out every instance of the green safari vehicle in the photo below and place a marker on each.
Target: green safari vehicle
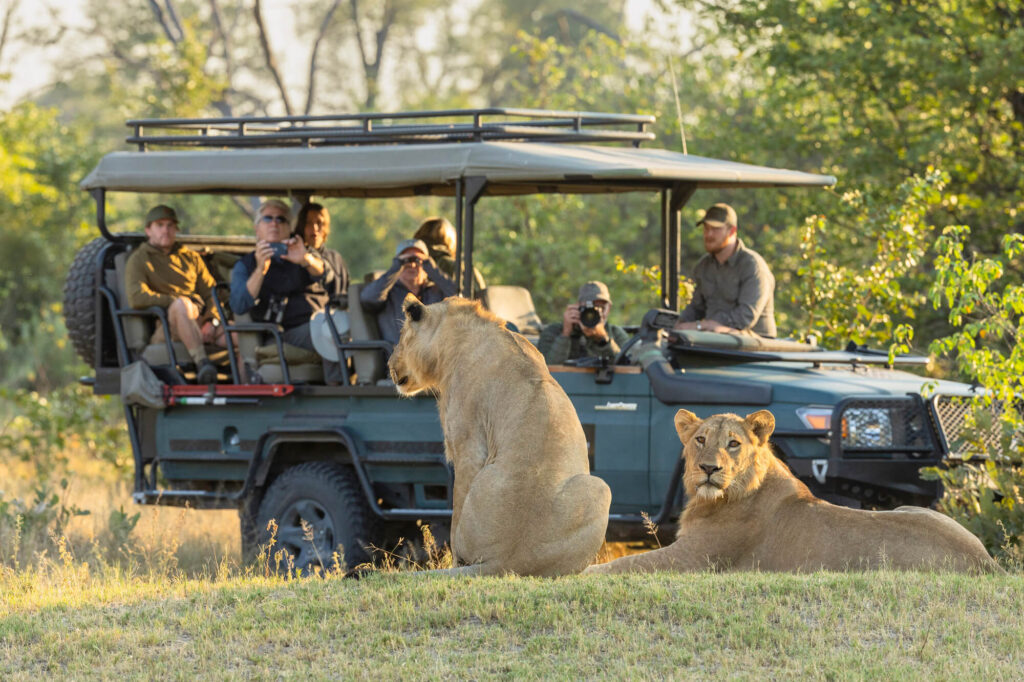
(355, 466)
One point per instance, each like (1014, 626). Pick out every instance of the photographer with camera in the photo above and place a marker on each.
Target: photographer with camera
(412, 271)
(280, 282)
(584, 330)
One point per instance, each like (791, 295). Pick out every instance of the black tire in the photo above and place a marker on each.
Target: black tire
(80, 300)
(327, 496)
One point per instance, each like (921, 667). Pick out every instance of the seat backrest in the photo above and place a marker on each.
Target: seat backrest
(513, 304)
(137, 330)
(369, 364)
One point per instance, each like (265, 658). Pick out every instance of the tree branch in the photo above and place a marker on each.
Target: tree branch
(311, 90)
(174, 18)
(268, 54)
(158, 12)
(8, 20)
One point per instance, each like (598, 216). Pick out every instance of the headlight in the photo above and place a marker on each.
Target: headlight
(867, 427)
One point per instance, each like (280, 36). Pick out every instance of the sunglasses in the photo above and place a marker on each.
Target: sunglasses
(273, 219)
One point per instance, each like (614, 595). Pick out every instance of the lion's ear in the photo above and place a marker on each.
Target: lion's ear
(762, 423)
(686, 423)
(413, 308)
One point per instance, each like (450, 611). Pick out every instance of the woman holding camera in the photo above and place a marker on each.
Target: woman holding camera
(584, 330)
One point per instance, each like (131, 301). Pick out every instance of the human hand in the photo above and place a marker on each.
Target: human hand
(263, 255)
(296, 251)
(209, 332)
(570, 318)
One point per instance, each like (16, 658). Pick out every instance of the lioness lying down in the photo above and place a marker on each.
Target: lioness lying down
(747, 511)
(524, 500)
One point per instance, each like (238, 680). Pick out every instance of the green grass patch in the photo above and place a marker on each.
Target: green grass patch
(411, 626)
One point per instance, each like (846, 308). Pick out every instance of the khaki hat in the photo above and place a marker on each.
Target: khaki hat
(719, 215)
(591, 291)
(406, 244)
(161, 212)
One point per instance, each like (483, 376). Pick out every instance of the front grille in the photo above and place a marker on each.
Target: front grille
(884, 427)
(963, 440)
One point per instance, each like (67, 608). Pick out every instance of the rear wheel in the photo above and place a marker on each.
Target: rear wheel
(317, 507)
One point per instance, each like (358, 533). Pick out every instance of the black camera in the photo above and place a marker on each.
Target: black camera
(590, 316)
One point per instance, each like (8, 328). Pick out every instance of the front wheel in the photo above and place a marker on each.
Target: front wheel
(318, 508)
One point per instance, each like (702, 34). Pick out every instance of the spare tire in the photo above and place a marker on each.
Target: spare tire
(80, 299)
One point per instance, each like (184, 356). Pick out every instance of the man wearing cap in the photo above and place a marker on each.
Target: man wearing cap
(412, 271)
(161, 272)
(573, 338)
(735, 291)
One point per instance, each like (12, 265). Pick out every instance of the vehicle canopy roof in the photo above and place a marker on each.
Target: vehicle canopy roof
(302, 154)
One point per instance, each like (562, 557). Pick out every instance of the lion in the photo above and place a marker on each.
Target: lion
(746, 510)
(524, 500)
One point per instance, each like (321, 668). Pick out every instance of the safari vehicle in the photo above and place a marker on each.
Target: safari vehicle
(355, 465)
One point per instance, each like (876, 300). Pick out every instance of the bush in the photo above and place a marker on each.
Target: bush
(987, 309)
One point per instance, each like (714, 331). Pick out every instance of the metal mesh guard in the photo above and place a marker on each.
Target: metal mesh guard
(953, 412)
(886, 425)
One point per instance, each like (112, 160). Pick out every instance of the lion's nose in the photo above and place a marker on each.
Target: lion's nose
(709, 468)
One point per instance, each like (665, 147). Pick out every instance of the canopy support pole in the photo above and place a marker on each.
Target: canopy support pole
(100, 197)
(474, 189)
(680, 194)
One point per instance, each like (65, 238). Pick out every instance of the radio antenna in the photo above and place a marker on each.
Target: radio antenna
(679, 109)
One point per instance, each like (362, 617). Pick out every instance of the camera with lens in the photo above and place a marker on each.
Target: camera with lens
(590, 316)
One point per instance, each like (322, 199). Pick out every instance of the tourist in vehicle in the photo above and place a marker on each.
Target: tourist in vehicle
(439, 236)
(161, 272)
(735, 290)
(584, 330)
(281, 282)
(412, 271)
(313, 226)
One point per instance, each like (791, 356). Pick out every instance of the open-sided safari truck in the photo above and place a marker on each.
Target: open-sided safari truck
(355, 464)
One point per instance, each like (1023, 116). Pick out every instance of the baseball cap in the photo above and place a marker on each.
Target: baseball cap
(418, 244)
(718, 215)
(161, 212)
(591, 291)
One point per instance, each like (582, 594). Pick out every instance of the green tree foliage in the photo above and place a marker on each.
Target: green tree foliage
(45, 219)
(986, 306)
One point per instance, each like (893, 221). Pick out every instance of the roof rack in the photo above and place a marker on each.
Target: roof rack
(413, 127)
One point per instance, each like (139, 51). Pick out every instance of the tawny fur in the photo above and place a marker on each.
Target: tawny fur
(524, 500)
(753, 513)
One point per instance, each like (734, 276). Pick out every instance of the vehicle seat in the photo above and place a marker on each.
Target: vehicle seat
(304, 366)
(513, 304)
(369, 364)
(743, 342)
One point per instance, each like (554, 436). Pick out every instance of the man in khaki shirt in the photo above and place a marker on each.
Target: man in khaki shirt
(164, 273)
(735, 290)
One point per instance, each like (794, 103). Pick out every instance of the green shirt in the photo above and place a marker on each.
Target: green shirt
(556, 348)
(155, 278)
(739, 293)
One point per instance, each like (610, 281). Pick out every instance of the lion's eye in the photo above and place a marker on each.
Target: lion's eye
(700, 440)
(734, 443)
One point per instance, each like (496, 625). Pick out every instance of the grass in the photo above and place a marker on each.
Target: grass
(407, 625)
(168, 599)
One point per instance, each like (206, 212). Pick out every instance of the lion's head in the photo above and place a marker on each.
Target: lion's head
(431, 338)
(726, 456)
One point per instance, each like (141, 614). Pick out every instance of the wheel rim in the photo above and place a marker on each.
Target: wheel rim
(319, 526)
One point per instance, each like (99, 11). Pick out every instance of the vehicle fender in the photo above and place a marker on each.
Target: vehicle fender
(268, 448)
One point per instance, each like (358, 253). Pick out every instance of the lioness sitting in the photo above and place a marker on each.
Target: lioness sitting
(524, 500)
(748, 511)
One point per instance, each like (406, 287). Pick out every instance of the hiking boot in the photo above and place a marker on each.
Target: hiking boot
(207, 372)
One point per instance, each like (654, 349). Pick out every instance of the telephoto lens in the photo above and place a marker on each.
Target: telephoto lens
(589, 315)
